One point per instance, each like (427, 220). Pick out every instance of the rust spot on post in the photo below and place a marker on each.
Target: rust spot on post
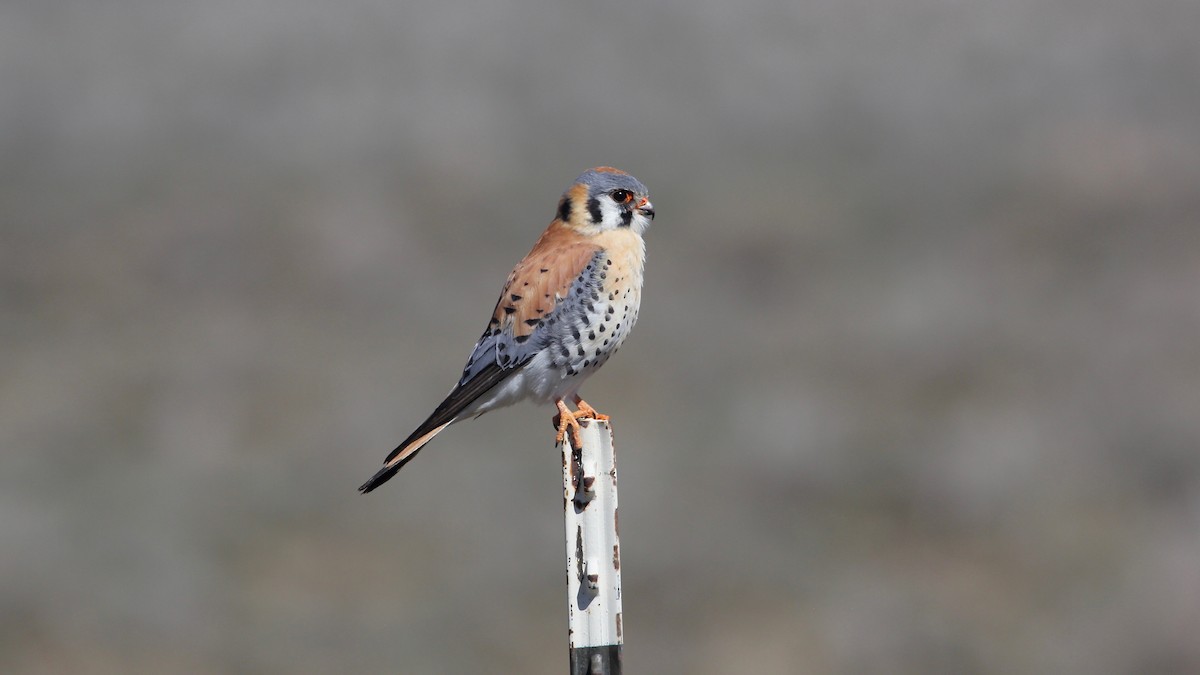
(576, 470)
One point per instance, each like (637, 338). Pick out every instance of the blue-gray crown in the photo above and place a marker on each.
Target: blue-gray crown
(605, 179)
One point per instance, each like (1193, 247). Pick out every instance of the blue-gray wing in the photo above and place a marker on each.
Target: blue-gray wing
(543, 294)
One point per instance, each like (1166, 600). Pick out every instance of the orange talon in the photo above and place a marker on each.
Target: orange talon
(588, 412)
(565, 418)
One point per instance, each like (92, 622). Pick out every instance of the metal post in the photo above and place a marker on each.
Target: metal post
(593, 552)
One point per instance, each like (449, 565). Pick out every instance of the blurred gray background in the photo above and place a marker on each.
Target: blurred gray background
(916, 387)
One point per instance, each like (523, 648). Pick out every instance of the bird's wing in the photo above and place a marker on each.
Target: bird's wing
(541, 289)
(560, 267)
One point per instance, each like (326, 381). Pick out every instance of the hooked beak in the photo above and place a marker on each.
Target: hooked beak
(645, 208)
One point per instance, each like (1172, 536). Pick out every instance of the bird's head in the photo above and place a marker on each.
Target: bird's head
(604, 199)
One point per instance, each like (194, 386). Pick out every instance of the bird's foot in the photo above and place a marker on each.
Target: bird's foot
(587, 412)
(566, 419)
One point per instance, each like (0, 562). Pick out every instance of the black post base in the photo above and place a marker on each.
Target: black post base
(604, 660)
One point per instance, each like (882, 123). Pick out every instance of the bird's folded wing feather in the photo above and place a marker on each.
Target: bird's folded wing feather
(534, 300)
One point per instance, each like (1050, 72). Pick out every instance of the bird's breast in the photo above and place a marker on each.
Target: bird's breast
(594, 323)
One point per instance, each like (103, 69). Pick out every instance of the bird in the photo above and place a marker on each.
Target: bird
(564, 310)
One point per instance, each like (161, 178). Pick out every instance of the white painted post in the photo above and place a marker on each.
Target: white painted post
(593, 552)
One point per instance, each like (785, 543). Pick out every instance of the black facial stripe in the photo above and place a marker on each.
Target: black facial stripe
(626, 218)
(594, 209)
(564, 210)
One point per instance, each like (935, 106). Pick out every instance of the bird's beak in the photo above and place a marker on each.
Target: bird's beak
(646, 208)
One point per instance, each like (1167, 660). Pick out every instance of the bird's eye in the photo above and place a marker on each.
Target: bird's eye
(622, 196)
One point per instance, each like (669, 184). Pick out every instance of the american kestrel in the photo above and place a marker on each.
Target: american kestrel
(566, 308)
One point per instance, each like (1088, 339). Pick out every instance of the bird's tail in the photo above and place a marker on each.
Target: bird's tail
(447, 413)
(401, 455)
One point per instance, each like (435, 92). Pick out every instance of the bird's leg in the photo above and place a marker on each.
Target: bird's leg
(588, 412)
(564, 419)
